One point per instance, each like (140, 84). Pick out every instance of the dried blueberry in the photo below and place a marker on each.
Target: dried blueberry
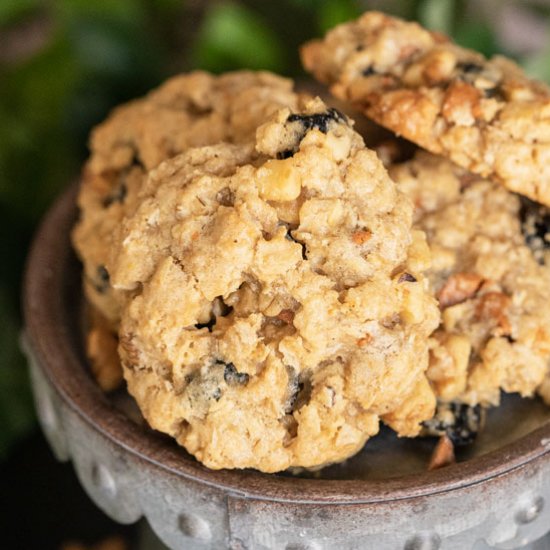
(102, 279)
(369, 71)
(231, 376)
(406, 278)
(469, 67)
(493, 93)
(293, 388)
(460, 422)
(321, 121)
(484, 78)
(281, 155)
(289, 237)
(535, 226)
(219, 309)
(103, 274)
(217, 394)
(117, 196)
(209, 325)
(136, 161)
(225, 197)
(302, 388)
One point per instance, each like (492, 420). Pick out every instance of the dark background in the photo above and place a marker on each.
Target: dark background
(63, 65)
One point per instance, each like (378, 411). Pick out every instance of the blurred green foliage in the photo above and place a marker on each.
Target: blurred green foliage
(16, 415)
(224, 42)
(64, 64)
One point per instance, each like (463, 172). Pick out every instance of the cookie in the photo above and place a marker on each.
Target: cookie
(485, 115)
(279, 306)
(491, 286)
(102, 352)
(187, 111)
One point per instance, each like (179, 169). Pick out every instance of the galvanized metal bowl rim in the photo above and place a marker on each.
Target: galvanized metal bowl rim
(51, 336)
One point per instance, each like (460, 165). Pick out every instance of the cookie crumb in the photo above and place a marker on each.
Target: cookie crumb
(102, 351)
(443, 454)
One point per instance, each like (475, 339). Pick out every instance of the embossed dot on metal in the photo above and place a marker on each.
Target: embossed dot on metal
(531, 511)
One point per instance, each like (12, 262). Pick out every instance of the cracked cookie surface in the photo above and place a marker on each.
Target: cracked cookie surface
(485, 115)
(492, 287)
(280, 309)
(186, 111)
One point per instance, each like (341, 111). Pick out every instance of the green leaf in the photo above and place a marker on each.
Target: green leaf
(437, 15)
(232, 37)
(11, 11)
(129, 12)
(101, 47)
(477, 36)
(35, 152)
(309, 5)
(538, 65)
(334, 12)
(166, 6)
(16, 409)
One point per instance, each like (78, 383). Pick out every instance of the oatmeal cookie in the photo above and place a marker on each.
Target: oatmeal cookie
(485, 115)
(280, 308)
(491, 286)
(102, 351)
(187, 111)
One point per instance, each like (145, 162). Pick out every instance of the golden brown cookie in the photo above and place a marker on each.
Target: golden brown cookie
(186, 111)
(485, 115)
(280, 308)
(491, 286)
(102, 352)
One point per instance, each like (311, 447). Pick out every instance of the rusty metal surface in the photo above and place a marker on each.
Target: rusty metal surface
(497, 497)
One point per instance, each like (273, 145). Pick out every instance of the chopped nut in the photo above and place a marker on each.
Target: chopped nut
(459, 288)
(366, 340)
(461, 104)
(443, 454)
(225, 197)
(286, 315)
(438, 66)
(361, 236)
(494, 305)
(278, 180)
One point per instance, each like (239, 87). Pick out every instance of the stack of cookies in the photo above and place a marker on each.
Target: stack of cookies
(274, 290)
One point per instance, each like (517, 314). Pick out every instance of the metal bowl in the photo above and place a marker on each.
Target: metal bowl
(496, 496)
